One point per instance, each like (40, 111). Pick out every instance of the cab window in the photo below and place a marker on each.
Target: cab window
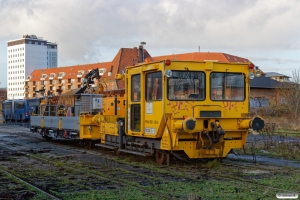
(227, 86)
(186, 85)
(135, 88)
(154, 86)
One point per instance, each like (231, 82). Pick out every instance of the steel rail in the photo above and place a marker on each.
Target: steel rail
(248, 181)
(95, 175)
(27, 183)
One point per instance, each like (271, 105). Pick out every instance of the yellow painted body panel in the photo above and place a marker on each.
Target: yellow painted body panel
(176, 123)
(114, 106)
(95, 127)
(194, 150)
(59, 126)
(42, 122)
(88, 129)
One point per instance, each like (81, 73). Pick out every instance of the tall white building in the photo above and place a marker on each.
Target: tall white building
(25, 55)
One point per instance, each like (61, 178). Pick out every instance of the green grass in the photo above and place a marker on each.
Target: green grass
(283, 181)
(290, 133)
(279, 147)
(212, 189)
(123, 193)
(213, 164)
(191, 187)
(187, 182)
(263, 187)
(15, 186)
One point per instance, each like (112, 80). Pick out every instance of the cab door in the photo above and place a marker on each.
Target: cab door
(153, 109)
(144, 111)
(134, 117)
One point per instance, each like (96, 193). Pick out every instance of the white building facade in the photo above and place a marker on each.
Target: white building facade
(25, 55)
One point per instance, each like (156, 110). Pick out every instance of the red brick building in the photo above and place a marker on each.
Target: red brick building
(63, 79)
(263, 91)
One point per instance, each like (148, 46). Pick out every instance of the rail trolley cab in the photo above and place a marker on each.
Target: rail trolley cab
(188, 108)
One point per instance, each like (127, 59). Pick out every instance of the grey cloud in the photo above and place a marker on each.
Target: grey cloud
(85, 29)
(29, 12)
(275, 60)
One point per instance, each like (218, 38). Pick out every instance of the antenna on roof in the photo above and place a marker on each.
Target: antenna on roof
(199, 48)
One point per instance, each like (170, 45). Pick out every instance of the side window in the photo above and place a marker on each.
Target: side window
(135, 117)
(135, 87)
(8, 105)
(154, 86)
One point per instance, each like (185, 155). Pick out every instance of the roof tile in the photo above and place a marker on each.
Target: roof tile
(128, 57)
(201, 56)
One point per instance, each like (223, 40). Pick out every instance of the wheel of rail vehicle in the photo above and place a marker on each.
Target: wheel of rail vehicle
(43, 133)
(160, 156)
(87, 144)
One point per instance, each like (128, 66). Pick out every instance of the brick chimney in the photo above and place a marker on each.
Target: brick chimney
(141, 52)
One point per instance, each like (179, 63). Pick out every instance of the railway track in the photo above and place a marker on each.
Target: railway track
(250, 175)
(47, 194)
(113, 178)
(139, 176)
(253, 175)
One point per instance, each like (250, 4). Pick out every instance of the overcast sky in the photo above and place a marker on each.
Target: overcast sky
(267, 32)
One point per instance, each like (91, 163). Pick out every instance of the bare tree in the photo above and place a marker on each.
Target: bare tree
(289, 95)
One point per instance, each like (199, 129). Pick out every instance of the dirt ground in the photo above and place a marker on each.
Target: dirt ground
(34, 168)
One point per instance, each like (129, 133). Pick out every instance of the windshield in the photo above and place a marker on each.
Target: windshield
(19, 105)
(227, 86)
(186, 85)
(33, 103)
(7, 105)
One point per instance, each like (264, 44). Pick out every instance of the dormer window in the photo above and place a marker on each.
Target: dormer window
(61, 74)
(52, 75)
(43, 77)
(80, 73)
(102, 71)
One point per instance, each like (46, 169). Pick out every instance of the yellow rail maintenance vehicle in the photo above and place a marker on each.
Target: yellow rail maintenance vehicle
(187, 109)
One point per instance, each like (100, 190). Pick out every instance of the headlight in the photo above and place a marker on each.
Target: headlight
(251, 75)
(168, 73)
(257, 73)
